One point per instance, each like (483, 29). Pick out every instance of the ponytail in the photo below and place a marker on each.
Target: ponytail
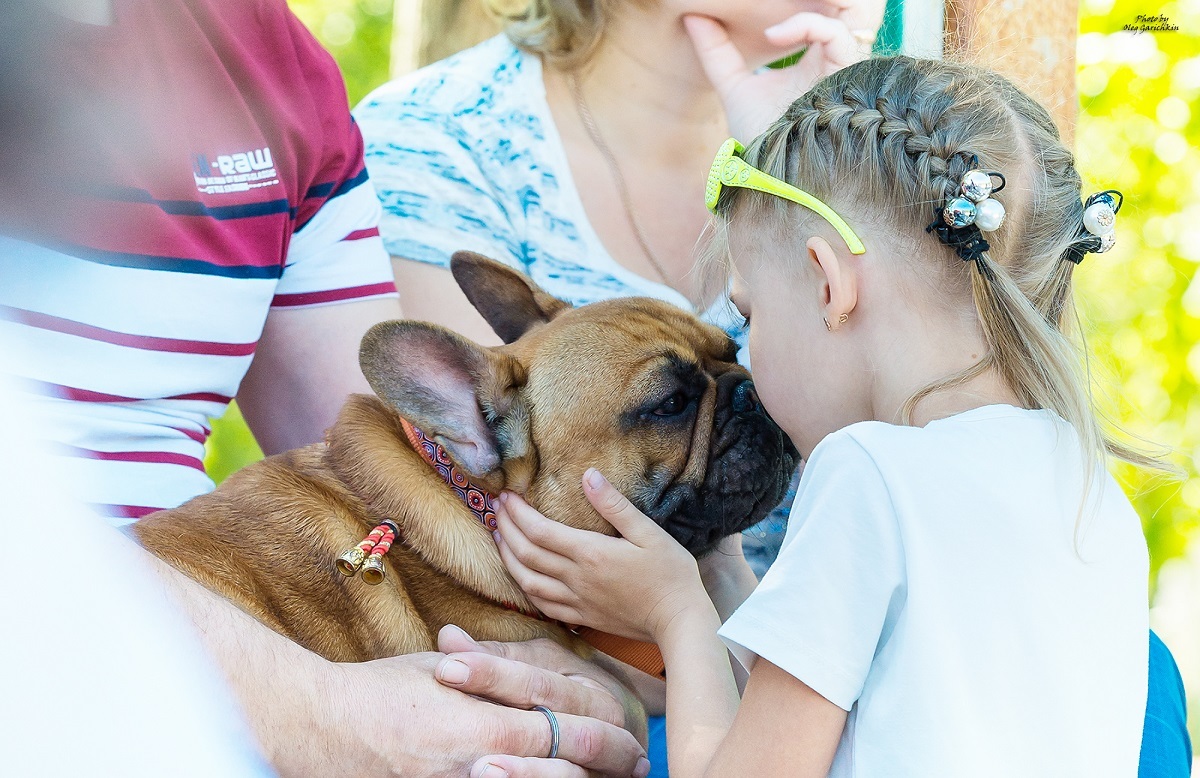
(894, 136)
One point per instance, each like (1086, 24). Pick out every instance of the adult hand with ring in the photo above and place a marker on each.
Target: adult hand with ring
(557, 763)
(554, 733)
(575, 713)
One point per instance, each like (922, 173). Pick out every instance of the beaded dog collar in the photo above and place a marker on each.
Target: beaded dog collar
(481, 503)
(367, 556)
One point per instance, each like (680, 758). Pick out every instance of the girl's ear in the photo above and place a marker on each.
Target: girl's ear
(839, 282)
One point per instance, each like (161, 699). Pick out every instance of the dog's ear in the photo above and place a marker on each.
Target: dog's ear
(453, 390)
(508, 300)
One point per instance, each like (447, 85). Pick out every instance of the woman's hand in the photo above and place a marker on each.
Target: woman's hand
(755, 97)
(634, 585)
(588, 702)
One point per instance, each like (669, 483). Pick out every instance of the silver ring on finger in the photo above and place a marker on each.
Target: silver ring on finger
(549, 714)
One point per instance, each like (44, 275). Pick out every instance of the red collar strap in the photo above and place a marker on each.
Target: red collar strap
(367, 556)
(482, 504)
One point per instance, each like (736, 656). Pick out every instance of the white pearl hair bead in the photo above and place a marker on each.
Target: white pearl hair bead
(1106, 242)
(976, 186)
(989, 215)
(1099, 219)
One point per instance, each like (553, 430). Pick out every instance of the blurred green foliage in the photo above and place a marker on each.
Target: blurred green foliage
(359, 35)
(1140, 303)
(1138, 131)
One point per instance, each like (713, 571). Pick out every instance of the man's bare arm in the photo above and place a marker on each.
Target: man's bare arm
(392, 717)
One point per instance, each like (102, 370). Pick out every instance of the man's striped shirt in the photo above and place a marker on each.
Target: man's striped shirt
(213, 172)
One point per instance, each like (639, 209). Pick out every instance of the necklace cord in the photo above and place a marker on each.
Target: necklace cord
(589, 124)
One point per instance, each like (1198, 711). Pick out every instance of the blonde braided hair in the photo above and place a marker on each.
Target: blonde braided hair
(889, 139)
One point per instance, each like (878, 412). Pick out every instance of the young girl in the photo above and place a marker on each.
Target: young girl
(962, 590)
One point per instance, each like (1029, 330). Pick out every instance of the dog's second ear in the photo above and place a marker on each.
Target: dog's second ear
(453, 390)
(506, 299)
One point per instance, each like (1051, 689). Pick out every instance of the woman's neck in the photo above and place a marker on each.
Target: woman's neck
(646, 81)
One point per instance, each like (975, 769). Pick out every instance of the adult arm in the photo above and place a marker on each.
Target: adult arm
(391, 717)
(305, 366)
(431, 294)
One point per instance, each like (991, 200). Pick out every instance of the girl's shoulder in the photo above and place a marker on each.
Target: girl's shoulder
(491, 81)
(1001, 438)
(989, 425)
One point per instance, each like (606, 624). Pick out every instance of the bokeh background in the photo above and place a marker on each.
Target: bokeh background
(1137, 131)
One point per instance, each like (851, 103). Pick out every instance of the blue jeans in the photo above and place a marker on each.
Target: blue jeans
(1166, 746)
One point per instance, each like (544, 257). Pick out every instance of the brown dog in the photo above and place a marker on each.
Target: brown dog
(647, 393)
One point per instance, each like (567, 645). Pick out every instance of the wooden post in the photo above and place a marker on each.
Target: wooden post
(1032, 42)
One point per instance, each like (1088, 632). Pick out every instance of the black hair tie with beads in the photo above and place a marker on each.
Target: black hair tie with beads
(1097, 231)
(962, 220)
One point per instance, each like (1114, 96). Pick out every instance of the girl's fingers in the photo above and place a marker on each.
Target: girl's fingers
(531, 553)
(567, 543)
(617, 510)
(536, 584)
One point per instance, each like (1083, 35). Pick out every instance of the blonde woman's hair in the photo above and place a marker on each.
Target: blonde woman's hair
(563, 32)
(888, 139)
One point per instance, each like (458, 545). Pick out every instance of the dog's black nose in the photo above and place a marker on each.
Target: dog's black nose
(745, 399)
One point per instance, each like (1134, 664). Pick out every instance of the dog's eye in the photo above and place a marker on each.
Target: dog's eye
(673, 405)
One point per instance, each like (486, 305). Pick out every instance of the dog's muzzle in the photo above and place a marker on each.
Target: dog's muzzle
(751, 462)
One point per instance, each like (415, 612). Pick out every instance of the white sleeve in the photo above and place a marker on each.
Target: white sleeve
(832, 596)
(337, 256)
(335, 253)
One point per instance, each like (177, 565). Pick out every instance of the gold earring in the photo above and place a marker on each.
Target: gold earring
(842, 319)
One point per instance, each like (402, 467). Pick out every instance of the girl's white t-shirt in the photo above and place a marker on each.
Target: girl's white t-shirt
(940, 584)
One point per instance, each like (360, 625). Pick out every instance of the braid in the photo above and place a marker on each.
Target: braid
(910, 147)
(891, 138)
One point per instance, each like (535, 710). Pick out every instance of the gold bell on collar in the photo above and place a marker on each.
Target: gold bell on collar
(366, 558)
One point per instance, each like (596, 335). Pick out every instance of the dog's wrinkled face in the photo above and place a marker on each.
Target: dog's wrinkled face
(641, 390)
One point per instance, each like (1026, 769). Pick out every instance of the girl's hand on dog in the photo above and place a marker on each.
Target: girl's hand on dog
(636, 585)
